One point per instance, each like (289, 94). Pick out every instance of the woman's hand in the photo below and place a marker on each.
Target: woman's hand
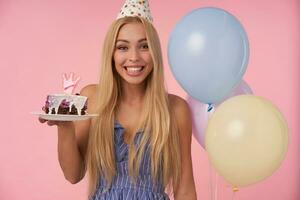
(73, 140)
(52, 122)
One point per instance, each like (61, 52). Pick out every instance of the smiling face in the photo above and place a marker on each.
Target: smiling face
(132, 58)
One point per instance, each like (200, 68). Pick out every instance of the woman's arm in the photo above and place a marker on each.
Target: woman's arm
(72, 142)
(70, 156)
(186, 189)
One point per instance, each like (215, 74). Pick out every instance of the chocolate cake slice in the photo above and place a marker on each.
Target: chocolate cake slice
(65, 104)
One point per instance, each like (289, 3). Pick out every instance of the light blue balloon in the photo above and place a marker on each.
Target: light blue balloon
(208, 53)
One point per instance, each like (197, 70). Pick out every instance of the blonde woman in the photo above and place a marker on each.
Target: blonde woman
(140, 145)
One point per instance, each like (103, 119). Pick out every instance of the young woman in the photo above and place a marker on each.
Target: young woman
(140, 144)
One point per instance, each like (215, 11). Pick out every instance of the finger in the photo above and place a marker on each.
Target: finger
(42, 120)
(51, 123)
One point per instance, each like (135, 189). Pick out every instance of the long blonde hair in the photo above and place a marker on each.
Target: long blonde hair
(157, 121)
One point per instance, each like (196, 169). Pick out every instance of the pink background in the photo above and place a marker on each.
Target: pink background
(40, 40)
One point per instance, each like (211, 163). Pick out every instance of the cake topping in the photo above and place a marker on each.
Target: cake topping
(69, 84)
(67, 103)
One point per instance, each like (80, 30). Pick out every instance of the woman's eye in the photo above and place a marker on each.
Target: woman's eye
(145, 46)
(122, 48)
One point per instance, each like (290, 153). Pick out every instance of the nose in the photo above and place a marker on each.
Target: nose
(134, 55)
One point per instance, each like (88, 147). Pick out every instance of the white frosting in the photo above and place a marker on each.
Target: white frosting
(56, 99)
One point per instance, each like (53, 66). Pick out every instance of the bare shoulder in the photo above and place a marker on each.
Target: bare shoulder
(90, 91)
(178, 104)
(181, 110)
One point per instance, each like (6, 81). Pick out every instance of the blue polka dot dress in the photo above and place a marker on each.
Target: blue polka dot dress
(122, 187)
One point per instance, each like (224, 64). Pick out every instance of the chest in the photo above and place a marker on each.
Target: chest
(128, 118)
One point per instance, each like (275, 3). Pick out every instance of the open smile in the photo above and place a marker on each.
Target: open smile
(134, 70)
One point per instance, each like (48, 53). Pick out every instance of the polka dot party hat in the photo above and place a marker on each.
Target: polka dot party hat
(138, 8)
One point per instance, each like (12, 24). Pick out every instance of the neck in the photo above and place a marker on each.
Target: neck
(133, 94)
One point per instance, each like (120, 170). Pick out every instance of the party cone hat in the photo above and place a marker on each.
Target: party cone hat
(138, 8)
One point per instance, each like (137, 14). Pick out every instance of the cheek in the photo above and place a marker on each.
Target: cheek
(150, 62)
(148, 59)
(118, 59)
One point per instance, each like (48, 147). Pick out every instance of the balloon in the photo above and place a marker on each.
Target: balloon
(246, 139)
(200, 117)
(208, 53)
(200, 113)
(241, 88)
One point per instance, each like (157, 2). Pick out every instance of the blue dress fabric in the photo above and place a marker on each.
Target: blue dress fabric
(122, 187)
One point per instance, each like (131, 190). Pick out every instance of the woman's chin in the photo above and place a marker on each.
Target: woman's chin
(135, 81)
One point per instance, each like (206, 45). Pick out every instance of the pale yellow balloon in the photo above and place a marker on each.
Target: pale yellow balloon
(246, 139)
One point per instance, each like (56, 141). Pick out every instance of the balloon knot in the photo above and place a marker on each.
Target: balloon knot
(235, 189)
(210, 107)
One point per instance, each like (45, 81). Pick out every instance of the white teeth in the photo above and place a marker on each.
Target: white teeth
(134, 69)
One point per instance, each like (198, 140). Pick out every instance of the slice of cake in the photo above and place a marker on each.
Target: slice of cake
(65, 104)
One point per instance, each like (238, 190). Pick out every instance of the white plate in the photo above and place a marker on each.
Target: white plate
(60, 117)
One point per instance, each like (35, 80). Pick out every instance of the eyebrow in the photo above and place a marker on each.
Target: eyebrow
(140, 40)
